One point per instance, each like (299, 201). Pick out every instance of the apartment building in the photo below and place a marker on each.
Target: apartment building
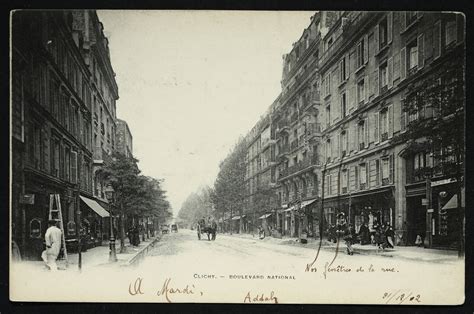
(367, 63)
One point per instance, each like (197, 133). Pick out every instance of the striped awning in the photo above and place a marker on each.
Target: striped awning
(99, 210)
(453, 202)
(265, 216)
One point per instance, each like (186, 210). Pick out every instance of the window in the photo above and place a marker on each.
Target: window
(344, 181)
(342, 70)
(383, 75)
(360, 54)
(450, 32)
(343, 148)
(383, 33)
(327, 85)
(55, 157)
(343, 104)
(412, 55)
(362, 134)
(328, 150)
(328, 115)
(362, 176)
(383, 117)
(410, 17)
(67, 163)
(360, 91)
(385, 171)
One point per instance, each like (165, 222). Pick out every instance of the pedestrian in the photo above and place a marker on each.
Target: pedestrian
(52, 238)
(418, 241)
(364, 234)
(349, 233)
(379, 237)
(389, 235)
(372, 229)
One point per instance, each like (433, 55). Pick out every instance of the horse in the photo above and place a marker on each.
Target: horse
(209, 229)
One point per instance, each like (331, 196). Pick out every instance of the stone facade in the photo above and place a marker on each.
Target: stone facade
(52, 124)
(124, 138)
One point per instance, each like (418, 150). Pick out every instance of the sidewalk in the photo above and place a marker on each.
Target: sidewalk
(98, 256)
(403, 252)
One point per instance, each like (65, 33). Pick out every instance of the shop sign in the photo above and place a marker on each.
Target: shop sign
(430, 210)
(27, 199)
(424, 201)
(441, 182)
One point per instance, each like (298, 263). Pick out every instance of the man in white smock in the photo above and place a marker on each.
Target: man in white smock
(53, 245)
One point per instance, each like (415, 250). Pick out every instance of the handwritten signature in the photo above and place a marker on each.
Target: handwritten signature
(136, 288)
(261, 298)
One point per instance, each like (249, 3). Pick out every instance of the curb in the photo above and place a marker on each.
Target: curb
(140, 255)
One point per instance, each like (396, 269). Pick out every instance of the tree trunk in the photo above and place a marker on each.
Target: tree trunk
(122, 229)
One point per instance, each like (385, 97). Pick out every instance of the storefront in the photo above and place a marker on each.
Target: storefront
(93, 221)
(369, 207)
(434, 216)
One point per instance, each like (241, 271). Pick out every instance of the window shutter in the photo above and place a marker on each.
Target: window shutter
(390, 73)
(392, 169)
(376, 39)
(73, 167)
(403, 121)
(396, 66)
(347, 65)
(390, 121)
(402, 21)
(366, 48)
(352, 98)
(355, 142)
(366, 89)
(375, 82)
(389, 27)
(403, 63)
(46, 149)
(437, 40)
(376, 127)
(421, 51)
(366, 135)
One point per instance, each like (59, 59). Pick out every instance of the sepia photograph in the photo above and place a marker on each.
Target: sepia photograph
(271, 157)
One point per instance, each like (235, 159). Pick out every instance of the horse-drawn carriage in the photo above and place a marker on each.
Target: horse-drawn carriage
(209, 227)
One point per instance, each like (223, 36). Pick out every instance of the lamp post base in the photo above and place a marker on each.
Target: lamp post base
(112, 253)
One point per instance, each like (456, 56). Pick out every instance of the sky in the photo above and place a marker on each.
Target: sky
(191, 82)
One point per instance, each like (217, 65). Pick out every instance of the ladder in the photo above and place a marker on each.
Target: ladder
(56, 213)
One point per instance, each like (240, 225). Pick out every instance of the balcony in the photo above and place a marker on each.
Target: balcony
(355, 19)
(313, 129)
(294, 144)
(293, 117)
(283, 149)
(266, 142)
(282, 125)
(302, 165)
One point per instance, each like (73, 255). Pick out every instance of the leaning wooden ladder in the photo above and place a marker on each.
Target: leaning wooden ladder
(56, 213)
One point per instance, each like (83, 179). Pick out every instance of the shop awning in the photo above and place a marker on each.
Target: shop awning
(95, 207)
(237, 217)
(453, 202)
(306, 203)
(289, 209)
(265, 216)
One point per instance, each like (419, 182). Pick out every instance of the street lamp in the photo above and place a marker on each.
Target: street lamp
(109, 194)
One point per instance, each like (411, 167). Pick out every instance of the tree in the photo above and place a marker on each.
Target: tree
(196, 206)
(435, 107)
(229, 188)
(137, 195)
